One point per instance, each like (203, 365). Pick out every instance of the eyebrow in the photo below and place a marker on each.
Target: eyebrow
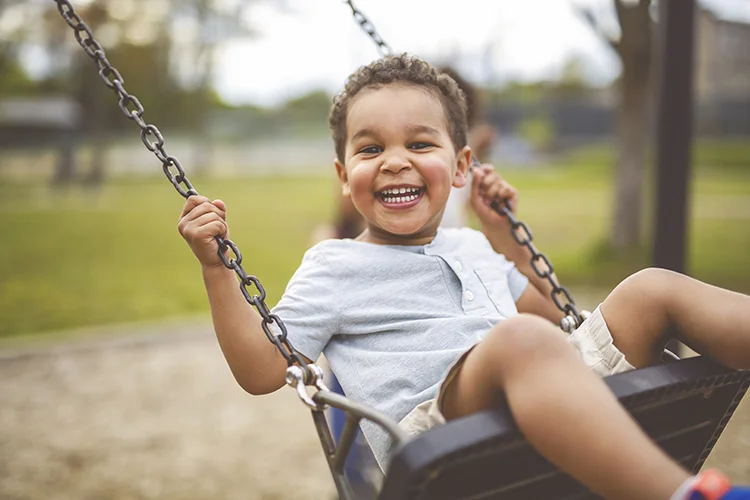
(362, 133)
(414, 129)
(426, 129)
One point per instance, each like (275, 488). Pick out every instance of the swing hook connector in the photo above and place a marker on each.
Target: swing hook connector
(569, 323)
(295, 377)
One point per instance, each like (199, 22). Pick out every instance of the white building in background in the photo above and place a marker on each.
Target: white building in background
(722, 57)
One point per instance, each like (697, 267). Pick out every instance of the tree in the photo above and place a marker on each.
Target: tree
(164, 49)
(634, 48)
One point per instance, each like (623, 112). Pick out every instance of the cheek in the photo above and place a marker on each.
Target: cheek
(360, 184)
(438, 174)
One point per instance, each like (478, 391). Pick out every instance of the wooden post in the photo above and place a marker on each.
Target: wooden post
(674, 133)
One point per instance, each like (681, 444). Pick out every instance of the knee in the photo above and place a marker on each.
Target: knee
(521, 338)
(647, 285)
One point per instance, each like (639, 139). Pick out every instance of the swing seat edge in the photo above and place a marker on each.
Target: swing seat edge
(684, 406)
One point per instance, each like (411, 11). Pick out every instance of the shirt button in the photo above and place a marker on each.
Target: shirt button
(459, 267)
(469, 295)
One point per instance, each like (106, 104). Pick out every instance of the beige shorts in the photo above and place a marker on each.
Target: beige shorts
(592, 340)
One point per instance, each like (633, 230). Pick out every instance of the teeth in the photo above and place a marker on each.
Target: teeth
(400, 199)
(402, 190)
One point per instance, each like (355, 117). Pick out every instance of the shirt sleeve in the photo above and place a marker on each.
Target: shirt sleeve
(517, 282)
(308, 306)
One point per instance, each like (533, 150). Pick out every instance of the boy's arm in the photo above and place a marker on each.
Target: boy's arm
(254, 361)
(488, 185)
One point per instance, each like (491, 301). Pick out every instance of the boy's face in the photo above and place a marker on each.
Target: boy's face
(400, 163)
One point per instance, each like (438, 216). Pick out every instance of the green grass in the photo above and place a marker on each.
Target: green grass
(569, 208)
(72, 259)
(75, 260)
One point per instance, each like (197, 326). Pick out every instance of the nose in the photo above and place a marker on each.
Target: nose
(395, 163)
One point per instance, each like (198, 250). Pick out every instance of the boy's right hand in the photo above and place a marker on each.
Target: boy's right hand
(200, 222)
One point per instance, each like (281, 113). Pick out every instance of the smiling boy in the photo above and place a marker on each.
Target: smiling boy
(423, 323)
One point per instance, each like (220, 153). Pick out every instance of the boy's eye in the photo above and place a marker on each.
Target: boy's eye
(420, 145)
(369, 150)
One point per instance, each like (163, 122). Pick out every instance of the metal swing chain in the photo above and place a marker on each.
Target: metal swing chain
(541, 265)
(519, 230)
(299, 374)
(560, 295)
(369, 28)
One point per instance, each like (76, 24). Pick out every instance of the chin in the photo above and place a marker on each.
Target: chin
(404, 230)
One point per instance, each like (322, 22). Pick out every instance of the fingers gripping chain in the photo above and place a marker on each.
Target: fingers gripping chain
(302, 374)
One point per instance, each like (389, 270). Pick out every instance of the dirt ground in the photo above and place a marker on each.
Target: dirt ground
(152, 416)
(158, 415)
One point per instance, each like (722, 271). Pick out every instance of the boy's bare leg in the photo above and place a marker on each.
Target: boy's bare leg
(654, 304)
(563, 409)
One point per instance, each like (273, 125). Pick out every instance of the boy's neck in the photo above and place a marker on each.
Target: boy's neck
(384, 238)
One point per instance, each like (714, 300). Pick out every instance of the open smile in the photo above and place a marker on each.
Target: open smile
(400, 197)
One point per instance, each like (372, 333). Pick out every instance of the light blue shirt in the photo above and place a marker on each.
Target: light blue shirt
(392, 320)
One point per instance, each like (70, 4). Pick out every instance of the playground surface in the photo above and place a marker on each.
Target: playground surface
(157, 414)
(154, 415)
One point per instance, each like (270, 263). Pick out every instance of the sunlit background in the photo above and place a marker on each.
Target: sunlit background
(111, 382)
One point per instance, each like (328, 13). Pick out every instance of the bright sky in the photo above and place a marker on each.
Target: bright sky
(316, 43)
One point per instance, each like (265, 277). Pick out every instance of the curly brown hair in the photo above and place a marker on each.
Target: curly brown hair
(403, 69)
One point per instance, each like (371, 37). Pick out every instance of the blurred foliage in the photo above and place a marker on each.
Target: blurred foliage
(708, 155)
(15, 81)
(723, 153)
(571, 83)
(165, 50)
(538, 131)
(312, 106)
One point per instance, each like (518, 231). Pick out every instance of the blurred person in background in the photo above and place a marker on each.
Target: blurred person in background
(481, 138)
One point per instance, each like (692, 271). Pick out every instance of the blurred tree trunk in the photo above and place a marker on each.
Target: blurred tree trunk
(65, 164)
(634, 122)
(92, 96)
(97, 132)
(634, 48)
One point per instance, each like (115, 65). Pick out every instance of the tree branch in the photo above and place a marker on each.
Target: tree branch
(588, 16)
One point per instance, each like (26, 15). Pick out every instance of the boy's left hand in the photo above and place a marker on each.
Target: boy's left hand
(486, 187)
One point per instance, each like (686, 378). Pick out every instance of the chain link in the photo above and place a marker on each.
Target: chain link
(521, 233)
(153, 139)
(541, 265)
(369, 28)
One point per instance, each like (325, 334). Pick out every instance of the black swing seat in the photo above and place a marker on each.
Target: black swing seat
(684, 406)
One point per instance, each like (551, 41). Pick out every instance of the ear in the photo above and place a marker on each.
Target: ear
(343, 177)
(463, 161)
